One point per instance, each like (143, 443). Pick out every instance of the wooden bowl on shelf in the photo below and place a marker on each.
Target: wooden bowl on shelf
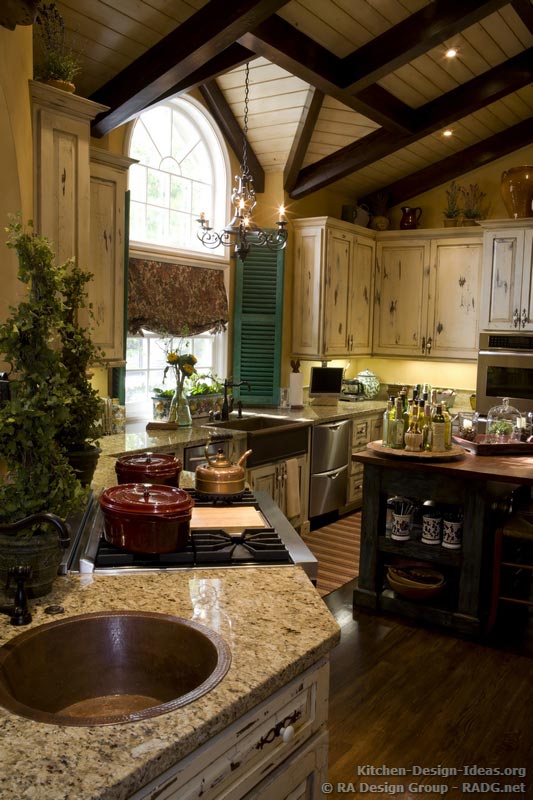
(416, 583)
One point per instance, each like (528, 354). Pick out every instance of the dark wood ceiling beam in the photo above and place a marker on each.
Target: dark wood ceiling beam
(411, 38)
(297, 53)
(469, 97)
(497, 82)
(524, 9)
(304, 131)
(233, 56)
(196, 41)
(473, 157)
(225, 119)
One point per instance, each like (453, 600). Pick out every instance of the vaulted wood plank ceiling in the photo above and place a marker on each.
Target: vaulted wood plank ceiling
(348, 94)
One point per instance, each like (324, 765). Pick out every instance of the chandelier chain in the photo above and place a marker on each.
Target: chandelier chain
(245, 136)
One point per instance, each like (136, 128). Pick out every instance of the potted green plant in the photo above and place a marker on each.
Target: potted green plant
(78, 434)
(36, 476)
(57, 63)
(205, 394)
(452, 210)
(472, 203)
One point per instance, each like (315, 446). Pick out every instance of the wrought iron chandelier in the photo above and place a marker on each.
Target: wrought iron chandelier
(242, 233)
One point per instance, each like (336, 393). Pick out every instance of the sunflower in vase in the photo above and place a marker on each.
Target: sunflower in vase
(182, 365)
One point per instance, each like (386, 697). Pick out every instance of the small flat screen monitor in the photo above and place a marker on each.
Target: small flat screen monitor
(326, 382)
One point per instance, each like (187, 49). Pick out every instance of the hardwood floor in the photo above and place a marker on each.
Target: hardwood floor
(404, 695)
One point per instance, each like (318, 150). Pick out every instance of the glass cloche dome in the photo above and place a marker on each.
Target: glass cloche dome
(504, 423)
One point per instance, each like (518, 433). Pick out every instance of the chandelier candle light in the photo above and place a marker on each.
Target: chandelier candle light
(242, 232)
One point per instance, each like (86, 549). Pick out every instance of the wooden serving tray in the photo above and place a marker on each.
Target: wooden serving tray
(446, 455)
(232, 520)
(480, 447)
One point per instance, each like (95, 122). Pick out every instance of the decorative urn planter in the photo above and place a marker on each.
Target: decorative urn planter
(517, 191)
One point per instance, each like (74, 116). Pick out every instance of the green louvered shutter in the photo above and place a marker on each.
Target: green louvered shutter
(258, 325)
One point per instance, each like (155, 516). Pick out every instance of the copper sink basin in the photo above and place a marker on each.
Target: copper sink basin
(109, 667)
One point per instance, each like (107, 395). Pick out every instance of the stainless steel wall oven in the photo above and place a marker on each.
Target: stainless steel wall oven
(505, 369)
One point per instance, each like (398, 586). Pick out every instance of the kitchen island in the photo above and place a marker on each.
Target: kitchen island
(278, 630)
(484, 488)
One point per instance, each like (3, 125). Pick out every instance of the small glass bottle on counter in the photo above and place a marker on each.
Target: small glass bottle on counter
(386, 421)
(438, 431)
(396, 426)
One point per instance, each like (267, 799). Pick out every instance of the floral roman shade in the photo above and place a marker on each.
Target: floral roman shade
(168, 298)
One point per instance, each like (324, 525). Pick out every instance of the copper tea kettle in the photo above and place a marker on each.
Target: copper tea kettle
(219, 477)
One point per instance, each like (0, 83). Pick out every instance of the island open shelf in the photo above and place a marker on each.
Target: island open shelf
(488, 489)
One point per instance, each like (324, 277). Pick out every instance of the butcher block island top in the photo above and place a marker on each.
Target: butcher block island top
(274, 622)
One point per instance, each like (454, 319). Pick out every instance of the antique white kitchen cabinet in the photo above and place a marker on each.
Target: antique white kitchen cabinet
(365, 429)
(332, 289)
(61, 136)
(273, 479)
(426, 294)
(507, 286)
(277, 750)
(108, 185)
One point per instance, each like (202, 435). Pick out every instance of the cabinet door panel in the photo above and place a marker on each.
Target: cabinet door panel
(306, 322)
(339, 258)
(454, 288)
(360, 304)
(401, 306)
(526, 299)
(503, 252)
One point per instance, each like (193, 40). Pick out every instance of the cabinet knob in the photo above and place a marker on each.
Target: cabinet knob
(524, 318)
(288, 733)
(516, 318)
(428, 345)
(423, 344)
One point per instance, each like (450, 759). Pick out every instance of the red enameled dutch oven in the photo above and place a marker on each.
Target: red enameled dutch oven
(161, 468)
(146, 518)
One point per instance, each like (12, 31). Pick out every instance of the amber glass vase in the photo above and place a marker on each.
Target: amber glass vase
(517, 191)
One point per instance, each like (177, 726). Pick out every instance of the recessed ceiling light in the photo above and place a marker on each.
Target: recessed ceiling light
(451, 52)
(447, 132)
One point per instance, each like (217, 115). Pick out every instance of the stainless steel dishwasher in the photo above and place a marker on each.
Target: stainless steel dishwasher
(330, 451)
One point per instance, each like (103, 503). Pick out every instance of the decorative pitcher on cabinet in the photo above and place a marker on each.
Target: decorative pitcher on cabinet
(410, 217)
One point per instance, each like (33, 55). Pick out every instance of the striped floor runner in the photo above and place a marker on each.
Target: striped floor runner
(336, 547)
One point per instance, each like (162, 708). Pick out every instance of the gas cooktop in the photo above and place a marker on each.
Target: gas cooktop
(272, 542)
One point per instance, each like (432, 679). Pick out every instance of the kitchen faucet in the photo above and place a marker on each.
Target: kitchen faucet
(229, 384)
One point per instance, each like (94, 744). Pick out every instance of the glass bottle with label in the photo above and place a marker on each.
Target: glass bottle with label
(386, 421)
(396, 426)
(438, 431)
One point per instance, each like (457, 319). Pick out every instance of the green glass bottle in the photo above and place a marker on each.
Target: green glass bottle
(438, 431)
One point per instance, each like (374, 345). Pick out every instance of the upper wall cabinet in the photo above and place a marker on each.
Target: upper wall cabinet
(426, 295)
(332, 289)
(108, 185)
(61, 135)
(507, 292)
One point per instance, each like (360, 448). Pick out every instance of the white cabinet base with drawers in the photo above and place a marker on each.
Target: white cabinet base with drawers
(276, 750)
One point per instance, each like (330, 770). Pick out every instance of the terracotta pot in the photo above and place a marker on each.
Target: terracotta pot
(517, 191)
(146, 518)
(161, 468)
(451, 222)
(65, 86)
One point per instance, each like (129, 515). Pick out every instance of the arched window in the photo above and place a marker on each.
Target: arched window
(182, 171)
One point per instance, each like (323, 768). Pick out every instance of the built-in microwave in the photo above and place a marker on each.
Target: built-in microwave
(505, 369)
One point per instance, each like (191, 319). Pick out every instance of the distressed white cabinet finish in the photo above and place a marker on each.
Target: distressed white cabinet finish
(507, 293)
(332, 289)
(108, 185)
(365, 429)
(272, 479)
(426, 295)
(277, 750)
(61, 135)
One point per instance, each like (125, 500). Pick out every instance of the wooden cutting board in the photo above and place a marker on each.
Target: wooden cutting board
(229, 519)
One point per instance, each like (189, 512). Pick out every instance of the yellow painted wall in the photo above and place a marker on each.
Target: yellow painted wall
(16, 151)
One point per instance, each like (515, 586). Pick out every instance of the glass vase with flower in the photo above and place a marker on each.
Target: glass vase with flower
(182, 366)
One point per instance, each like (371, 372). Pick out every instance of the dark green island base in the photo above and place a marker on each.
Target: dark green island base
(487, 488)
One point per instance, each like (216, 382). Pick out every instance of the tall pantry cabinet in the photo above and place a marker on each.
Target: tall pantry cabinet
(79, 203)
(333, 284)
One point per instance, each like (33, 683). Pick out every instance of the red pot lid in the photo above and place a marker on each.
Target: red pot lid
(146, 498)
(148, 464)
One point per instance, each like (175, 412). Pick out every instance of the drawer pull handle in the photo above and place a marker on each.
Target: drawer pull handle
(283, 729)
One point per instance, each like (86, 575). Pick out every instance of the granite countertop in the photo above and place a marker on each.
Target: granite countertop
(275, 623)
(137, 439)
